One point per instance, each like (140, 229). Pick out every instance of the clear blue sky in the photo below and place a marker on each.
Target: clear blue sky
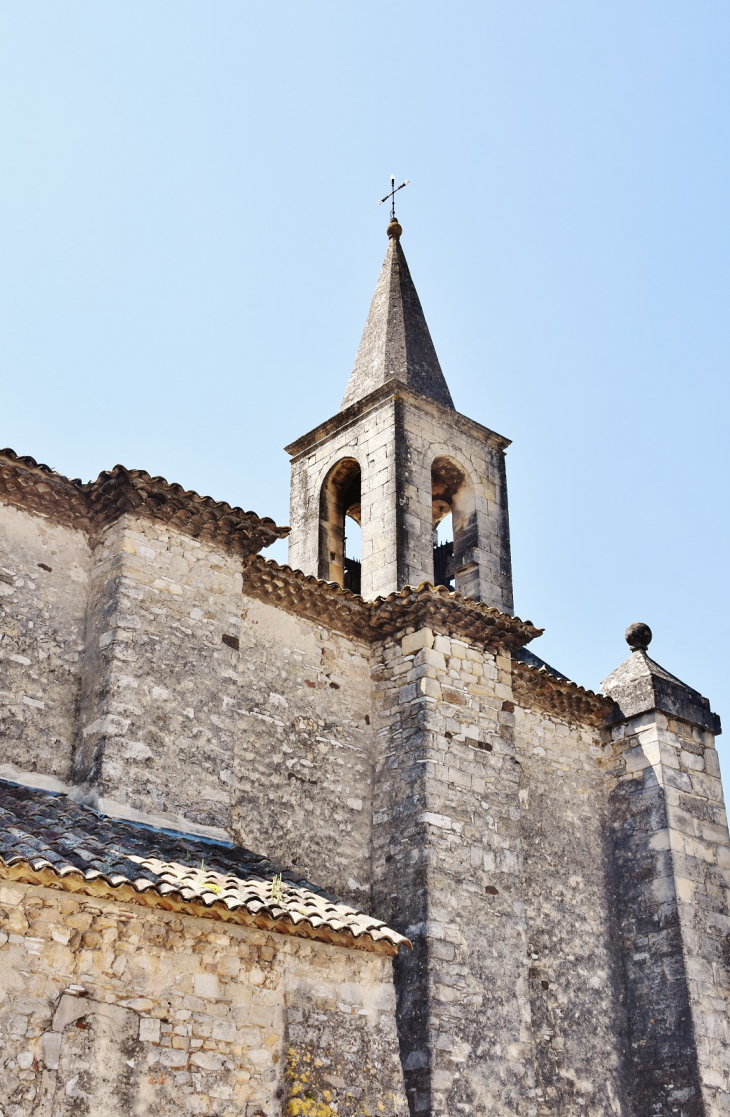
(190, 240)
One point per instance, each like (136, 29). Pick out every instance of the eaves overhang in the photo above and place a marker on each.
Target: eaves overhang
(393, 390)
(94, 505)
(403, 611)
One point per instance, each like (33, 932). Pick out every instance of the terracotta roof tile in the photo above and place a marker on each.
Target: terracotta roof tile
(409, 608)
(536, 683)
(48, 831)
(92, 505)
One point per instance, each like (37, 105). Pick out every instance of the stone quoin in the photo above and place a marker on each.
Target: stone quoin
(329, 839)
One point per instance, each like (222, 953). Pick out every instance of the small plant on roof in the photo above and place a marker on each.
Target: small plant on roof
(209, 885)
(277, 893)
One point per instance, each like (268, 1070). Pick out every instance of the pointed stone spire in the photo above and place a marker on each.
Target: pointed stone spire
(396, 343)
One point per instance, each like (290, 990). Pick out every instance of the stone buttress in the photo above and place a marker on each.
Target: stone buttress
(672, 872)
(448, 864)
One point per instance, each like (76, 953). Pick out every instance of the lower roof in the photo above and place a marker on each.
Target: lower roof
(47, 838)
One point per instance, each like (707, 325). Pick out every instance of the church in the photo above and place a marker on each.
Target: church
(330, 839)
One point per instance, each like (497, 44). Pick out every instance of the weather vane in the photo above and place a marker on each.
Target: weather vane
(393, 191)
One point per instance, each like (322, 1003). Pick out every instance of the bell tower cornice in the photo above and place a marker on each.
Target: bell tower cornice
(357, 410)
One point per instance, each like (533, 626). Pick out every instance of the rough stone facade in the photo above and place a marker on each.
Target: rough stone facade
(446, 839)
(44, 588)
(110, 1009)
(151, 700)
(483, 807)
(559, 860)
(576, 999)
(672, 865)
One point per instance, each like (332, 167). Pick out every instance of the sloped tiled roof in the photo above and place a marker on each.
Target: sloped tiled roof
(524, 655)
(409, 608)
(49, 833)
(536, 683)
(28, 484)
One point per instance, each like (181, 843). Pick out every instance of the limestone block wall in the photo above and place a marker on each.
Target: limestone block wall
(143, 673)
(157, 672)
(448, 867)
(672, 857)
(576, 980)
(303, 756)
(202, 705)
(44, 587)
(110, 1008)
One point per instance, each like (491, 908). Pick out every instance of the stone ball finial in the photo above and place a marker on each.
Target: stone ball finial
(394, 229)
(638, 636)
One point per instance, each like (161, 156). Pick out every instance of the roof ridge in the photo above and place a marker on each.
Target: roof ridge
(559, 695)
(58, 847)
(92, 505)
(421, 605)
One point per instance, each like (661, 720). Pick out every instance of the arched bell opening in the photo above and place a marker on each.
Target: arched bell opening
(339, 505)
(454, 551)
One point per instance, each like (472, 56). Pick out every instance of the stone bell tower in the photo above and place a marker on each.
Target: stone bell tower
(397, 458)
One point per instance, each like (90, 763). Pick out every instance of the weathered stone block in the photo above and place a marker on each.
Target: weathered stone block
(414, 641)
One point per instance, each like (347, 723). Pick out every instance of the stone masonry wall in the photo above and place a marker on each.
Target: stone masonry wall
(179, 697)
(303, 755)
(155, 672)
(113, 1010)
(204, 705)
(576, 983)
(568, 903)
(44, 579)
(492, 850)
(448, 867)
(672, 857)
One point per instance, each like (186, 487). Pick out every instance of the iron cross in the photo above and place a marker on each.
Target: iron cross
(393, 191)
